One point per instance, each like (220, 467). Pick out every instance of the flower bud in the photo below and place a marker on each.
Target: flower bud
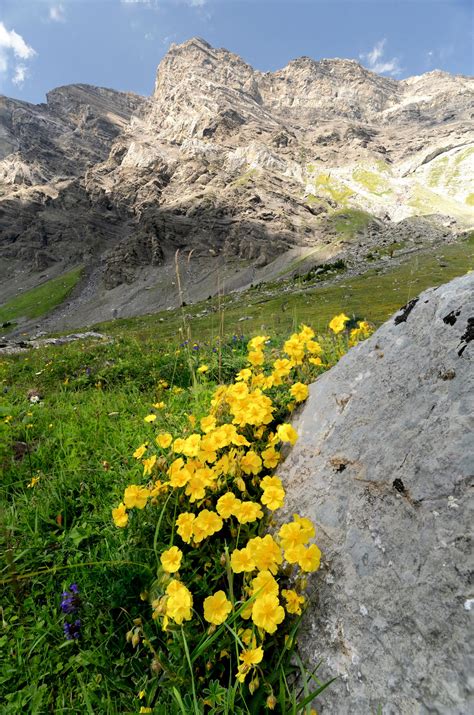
(271, 702)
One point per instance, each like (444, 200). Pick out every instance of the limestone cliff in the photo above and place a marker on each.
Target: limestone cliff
(236, 165)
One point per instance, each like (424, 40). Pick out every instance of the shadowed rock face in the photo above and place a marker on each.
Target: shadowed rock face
(383, 466)
(222, 159)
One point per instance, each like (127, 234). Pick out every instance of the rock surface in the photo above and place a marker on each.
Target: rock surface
(233, 166)
(383, 465)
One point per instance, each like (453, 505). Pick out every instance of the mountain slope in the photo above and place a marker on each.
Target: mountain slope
(233, 167)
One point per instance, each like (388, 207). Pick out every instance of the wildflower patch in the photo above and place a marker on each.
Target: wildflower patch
(230, 587)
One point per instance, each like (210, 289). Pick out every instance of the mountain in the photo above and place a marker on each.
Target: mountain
(242, 171)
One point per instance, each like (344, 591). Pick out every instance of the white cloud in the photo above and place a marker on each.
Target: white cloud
(21, 72)
(375, 60)
(13, 47)
(57, 14)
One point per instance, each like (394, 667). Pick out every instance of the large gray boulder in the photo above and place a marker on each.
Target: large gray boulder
(383, 466)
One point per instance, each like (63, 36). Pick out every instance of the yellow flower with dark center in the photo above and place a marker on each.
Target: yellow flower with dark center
(171, 559)
(338, 322)
(135, 496)
(217, 608)
(241, 561)
(203, 368)
(267, 613)
(293, 601)
(120, 516)
(150, 418)
(164, 440)
(299, 391)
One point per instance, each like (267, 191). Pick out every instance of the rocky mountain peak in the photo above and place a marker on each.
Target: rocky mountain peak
(236, 165)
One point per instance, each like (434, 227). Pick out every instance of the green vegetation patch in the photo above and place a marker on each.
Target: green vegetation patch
(348, 222)
(42, 299)
(371, 181)
(337, 190)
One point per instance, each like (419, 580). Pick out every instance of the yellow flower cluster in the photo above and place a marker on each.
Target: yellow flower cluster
(218, 481)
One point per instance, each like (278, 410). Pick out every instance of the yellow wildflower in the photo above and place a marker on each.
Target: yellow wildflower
(140, 451)
(164, 440)
(148, 464)
(270, 457)
(309, 559)
(265, 553)
(251, 463)
(184, 524)
(287, 433)
(338, 322)
(293, 601)
(150, 418)
(241, 561)
(247, 512)
(264, 584)
(249, 658)
(267, 613)
(120, 516)
(299, 391)
(135, 496)
(217, 608)
(34, 481)
(206, 524)
(208, 423)
(203, 368)
(179, 603)
(159, 405)
(227, 505)
(171, 559)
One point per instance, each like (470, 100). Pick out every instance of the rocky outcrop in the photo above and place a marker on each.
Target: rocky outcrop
(384, 465)
(227, 161)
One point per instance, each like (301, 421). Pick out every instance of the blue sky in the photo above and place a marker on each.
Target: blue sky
(119, 43)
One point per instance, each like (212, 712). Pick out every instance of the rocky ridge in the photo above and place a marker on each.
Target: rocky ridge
(229, 165)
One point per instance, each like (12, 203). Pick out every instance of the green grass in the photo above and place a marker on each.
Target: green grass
(371, 181)
(372, 295)
(78, 441)
(40, 300)
(348, 222)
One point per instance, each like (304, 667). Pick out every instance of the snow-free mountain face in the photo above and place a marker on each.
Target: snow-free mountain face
(236, 165)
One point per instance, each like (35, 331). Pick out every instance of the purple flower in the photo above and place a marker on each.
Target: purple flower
(72, 630)
(71, 599)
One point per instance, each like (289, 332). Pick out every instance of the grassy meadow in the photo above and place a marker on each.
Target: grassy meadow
(71, 418)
